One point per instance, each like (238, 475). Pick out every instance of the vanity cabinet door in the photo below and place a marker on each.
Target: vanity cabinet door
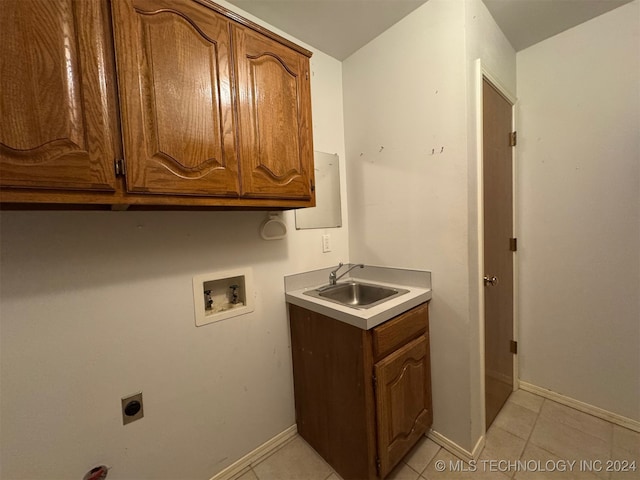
(274, 105)
(403, 401)
(174, 72)
(57, 121)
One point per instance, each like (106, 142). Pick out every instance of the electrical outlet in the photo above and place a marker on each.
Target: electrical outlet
(326, 243)
(132, 408)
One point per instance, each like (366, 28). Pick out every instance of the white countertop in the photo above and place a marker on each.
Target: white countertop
(418, 282)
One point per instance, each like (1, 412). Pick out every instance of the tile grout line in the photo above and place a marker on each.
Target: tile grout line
(528, 439)
(534, 424)
(412, 469)
(428, 463)
(431, 461)
(565, 425)
(575, 427)
(542, 447)
(420, 477)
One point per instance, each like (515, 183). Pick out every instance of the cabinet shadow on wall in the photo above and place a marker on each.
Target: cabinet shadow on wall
(85, 250)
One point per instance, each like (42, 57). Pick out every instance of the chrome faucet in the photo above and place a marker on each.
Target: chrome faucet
(332, 276)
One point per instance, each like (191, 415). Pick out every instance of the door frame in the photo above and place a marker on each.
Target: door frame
(482, 73)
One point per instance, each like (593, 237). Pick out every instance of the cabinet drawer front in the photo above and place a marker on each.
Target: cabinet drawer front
(393, 334)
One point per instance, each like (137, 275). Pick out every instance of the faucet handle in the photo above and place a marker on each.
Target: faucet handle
(332, 275)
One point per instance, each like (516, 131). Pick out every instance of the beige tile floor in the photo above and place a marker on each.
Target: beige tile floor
(535, 433)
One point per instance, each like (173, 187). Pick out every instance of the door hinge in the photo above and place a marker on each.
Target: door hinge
(513, 244)
(120, 167)
(374, 380)
(513, 139)
(378, 465)
(306, 75)
(513, 347)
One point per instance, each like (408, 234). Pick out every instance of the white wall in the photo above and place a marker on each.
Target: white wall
(98, 305)
(579, 162)
(406, 135)
(412, 176)
(486, 41)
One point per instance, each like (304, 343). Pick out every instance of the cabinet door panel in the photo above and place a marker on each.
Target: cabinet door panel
(275, 118)
(403, 401)
(177, 115)
(57, 128)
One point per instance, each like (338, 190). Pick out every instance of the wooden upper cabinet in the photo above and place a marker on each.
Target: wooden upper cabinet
(214, 110)
(174, 72)
(274, 106)
(56, 110)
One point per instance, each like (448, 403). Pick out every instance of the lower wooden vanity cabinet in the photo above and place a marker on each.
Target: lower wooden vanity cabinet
(362, 397)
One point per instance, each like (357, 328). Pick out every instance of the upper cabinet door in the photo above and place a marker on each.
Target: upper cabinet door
(174, 73)
(274, 105)
(56, 109)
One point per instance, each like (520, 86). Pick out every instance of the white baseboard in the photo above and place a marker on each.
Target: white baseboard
(477, 450)
(456, 449)
(581, 406)
(256, 456)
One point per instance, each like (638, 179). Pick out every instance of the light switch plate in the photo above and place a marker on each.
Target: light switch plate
(326, 243)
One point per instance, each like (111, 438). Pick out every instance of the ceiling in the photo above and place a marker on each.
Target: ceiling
(340, 27)
(526, 22)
